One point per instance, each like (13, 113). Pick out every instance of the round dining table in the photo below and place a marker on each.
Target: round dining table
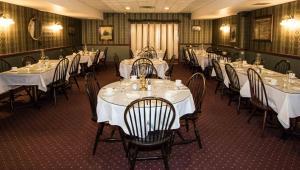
(125, 67)
(113, 99)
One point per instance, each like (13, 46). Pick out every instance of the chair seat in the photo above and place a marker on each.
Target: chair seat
(58, 84)
(151, 139)
(190, 116)
(258, 104)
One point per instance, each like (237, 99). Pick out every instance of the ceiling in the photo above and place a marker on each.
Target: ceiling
(94, 9)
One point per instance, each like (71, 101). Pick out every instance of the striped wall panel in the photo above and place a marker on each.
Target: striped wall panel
(121, 25)
(17, 39)
(283, 41)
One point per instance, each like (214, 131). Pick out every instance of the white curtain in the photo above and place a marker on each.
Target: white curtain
(161, 36)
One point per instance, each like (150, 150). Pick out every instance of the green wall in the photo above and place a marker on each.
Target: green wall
(17, 39)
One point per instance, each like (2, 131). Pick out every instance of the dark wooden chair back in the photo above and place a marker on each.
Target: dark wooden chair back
(131, 55)
(117, 64)
(28, 59)
(282, 66)
(218, 70)
(197, 85)
(105, 54)
(166, 55)
(60, 73)
(75, 65)
(149, 120)
(233, 78)
(257, 90)
(143, 63)
(92, 88)
(4, 65)
(169, 72)
(96, 58)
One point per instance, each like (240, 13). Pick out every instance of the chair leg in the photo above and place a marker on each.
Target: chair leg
(264, 123)
(11, 100)
(99, 133)
(75, 79)
(165, 156)
(54, 95)
(239, 105)
(65, 92)
(187, 125)
(217, 87)
(252, 114)
(123, 141)
(132, 154)
(197, 135)
(230, 98)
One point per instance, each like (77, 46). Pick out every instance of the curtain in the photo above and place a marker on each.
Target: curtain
(161, 36)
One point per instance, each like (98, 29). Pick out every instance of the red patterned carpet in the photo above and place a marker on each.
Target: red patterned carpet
(62, 136)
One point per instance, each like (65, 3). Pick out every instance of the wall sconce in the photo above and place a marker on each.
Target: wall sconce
(5, 21)
(55, 27)
(225, 28)
(290, 22)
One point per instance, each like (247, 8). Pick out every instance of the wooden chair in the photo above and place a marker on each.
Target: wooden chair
(149, 121)
(59, 81)
(234, 85)
(282, 66)
(95, 62)
(219, 76)
(169, 72)
(259, 98)
(197, 85)
(165, 55)
(28, 59)
(102, 61)
(131, 55)
(74, 69)
(117, 65)
(146, 64)
(196, 66)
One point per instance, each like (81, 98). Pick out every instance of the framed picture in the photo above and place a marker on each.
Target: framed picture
(233, 33)
(106, 33)
(196, 28)
(263, 28)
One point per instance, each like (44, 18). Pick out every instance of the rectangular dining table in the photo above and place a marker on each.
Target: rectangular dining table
(283, 97)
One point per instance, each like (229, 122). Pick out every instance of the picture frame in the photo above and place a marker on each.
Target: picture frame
(233, 33)
(106, 33)
(263, 28)
(196, 28)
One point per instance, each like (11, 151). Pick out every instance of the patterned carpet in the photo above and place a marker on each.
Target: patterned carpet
(62, 136)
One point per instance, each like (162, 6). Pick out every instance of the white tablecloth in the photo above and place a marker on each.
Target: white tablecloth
(85, 57)
(283, 100)
(37, 75)
(111, 107)
(126, 66)
(160, 54)
(202, 58)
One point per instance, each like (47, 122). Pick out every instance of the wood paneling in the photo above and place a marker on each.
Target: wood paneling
(121, 24)
(16, 38)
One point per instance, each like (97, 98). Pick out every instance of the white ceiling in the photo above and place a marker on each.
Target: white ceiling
(93, 9)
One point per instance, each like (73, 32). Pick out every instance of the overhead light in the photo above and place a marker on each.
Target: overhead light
(167, 8)
(6, 22)
(55, 27)
(225, 28)
(127, 8)
(290, 23)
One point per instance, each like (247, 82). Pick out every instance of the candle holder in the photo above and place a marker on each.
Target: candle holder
(143, 83)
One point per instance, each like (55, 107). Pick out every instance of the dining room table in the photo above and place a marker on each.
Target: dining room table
(202, 58)
(113, 99)
(37, 75)
(283, 91)
(85, 57)
(125, 67)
